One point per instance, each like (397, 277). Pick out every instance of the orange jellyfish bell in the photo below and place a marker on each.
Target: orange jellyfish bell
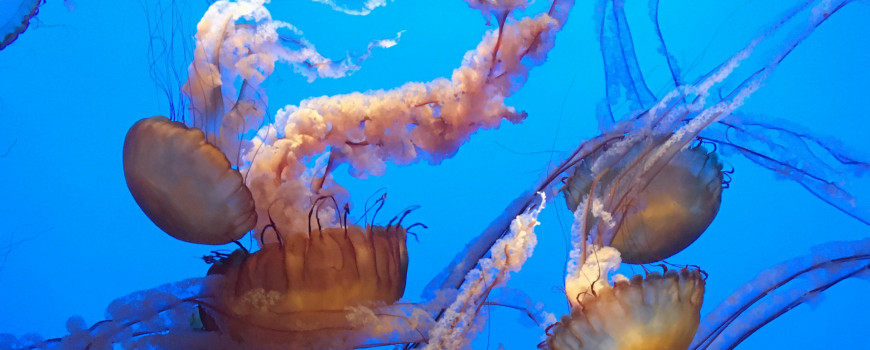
(659, 312)
(675, 207)
(300, 291)
(184, 184)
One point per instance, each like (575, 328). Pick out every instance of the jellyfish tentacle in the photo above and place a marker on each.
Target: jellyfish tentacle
(792, 304)
(827, 265)
(673, 65)
(454, 274)
(796, 157)
(508, 254)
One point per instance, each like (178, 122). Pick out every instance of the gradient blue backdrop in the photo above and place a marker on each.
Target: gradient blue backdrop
(72, 239)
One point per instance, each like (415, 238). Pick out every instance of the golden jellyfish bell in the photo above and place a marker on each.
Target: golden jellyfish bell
(676, 206)
(306, 283)
(659, 312)
(184, 184)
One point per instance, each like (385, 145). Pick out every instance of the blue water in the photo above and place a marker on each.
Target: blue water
(73, 239)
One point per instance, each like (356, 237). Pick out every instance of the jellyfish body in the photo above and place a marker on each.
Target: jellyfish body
(666, 214)
(15, 18)
(185, 185)
(304, 285)
(659, 312)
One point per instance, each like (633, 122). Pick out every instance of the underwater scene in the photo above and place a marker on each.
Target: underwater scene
(479, 174)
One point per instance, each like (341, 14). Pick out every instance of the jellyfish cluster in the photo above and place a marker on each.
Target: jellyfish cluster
(320, 273)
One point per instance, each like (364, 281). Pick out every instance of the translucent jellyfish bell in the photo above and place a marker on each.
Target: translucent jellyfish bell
(185, 185)
(664, 216)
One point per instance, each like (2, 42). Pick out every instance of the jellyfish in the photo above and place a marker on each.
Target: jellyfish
(184, 184)
(673, 208)
(15, 19)
(656, 311)
(303, 292)
(662, 311)
(288, 165)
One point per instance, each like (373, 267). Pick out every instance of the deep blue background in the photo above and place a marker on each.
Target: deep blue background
(72, 239)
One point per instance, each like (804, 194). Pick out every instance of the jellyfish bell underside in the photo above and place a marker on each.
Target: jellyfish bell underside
(659, 312)
(185, 185)
(15, 17)
(676, 206)
(302, 289)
